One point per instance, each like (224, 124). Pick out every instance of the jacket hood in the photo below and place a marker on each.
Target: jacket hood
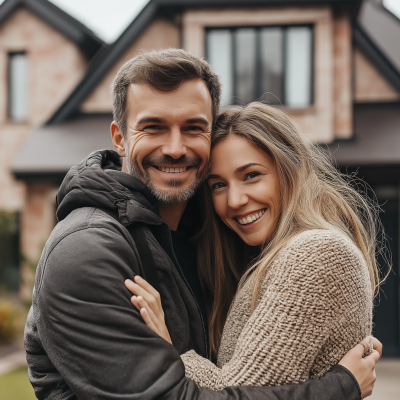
(99, 182)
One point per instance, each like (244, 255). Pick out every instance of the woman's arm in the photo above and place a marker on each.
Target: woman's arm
(354, 375)
(314, 309)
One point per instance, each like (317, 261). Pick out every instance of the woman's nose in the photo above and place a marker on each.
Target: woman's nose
(237, 198)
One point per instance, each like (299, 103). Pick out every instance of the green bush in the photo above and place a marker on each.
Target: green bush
(9, 317)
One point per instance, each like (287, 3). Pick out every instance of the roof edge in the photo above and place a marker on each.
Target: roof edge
(102, 63)
(372, 52)
(61, 21)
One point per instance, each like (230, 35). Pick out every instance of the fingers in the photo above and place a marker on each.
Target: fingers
(363, 346)
(138, 290)
(147, 319)
(374, 357)
(145, 285)
(142, 305)
(377, 345)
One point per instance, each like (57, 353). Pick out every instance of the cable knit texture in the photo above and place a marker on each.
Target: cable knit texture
(315, 303)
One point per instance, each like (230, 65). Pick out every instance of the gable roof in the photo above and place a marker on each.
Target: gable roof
(78, 33)
(376, 56)
(106, 58)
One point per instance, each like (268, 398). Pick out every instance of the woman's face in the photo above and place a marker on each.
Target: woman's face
(245, 189)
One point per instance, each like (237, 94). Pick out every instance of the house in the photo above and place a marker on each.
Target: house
(324, 61)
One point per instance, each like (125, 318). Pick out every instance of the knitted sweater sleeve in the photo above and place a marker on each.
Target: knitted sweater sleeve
(316, 306)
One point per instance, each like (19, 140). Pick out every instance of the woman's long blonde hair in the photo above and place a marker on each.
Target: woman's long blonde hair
(314, 195)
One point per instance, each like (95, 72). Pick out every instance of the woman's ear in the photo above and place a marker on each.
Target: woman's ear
(117, 138)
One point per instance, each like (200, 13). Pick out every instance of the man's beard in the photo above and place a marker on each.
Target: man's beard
(175, 194)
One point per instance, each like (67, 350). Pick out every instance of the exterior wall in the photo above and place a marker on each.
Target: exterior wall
(369, 84)
(161, 34)
(37, 222)
(318, 120)
(343, 100)
(55, 66)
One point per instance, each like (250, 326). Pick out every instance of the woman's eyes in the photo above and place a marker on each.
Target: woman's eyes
(252, 175)
(217, 186)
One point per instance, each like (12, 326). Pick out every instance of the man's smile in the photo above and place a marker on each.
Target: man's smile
(173, 169)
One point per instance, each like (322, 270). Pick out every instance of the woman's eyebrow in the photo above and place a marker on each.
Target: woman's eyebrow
(243, 167)
(214, 176)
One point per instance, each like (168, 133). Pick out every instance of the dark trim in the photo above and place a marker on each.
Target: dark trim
(78, 33)
(102, 63)
(106, 58)
(372, 52)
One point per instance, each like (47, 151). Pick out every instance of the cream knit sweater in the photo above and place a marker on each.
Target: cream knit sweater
(314, 305)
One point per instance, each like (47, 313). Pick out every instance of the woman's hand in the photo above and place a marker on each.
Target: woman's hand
(147, 300)
(363, 368)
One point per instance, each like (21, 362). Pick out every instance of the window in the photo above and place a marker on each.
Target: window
(274, 63)
(17, 86)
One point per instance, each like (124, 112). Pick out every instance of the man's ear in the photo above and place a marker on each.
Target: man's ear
(117, 138)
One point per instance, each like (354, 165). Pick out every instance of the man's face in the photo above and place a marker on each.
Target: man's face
(167, 143)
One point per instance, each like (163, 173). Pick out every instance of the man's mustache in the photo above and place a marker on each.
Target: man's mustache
(168, 160)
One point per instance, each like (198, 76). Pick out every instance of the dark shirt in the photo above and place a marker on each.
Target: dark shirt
(185, 252)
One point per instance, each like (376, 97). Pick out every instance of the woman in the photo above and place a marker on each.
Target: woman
(307, 297)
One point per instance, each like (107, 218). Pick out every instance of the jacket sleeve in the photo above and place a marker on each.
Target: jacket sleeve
(315, 308)
(99, 344)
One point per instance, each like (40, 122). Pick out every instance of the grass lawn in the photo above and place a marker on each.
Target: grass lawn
(15, 386)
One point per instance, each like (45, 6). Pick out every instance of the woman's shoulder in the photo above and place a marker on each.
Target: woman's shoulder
(329, 250)
(322, 240)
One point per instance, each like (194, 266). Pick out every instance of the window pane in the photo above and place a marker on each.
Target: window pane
(271, 40)
(298, 66)
(17, 86)
(219, 55)
(245, 59)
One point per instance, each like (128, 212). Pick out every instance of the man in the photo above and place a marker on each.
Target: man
(83, 338)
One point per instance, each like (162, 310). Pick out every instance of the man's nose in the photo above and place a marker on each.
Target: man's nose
(237, 197)
(175, 146)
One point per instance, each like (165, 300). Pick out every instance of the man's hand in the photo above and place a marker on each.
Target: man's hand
(363, 368)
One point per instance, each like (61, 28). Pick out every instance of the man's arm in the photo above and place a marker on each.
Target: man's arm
(100, 345)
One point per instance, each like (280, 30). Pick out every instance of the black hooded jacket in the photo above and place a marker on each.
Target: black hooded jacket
(84, 339)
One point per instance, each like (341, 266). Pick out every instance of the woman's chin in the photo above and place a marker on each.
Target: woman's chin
(252, 240)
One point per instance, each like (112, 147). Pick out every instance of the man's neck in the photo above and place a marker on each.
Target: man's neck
(171, 213)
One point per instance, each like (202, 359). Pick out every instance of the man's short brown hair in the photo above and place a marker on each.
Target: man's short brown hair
(164, 70)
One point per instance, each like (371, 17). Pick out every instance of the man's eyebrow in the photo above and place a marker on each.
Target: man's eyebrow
(147, 120)
(198, 120)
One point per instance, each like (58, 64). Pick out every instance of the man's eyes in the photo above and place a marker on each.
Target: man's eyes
(193, 128)
(152, 127)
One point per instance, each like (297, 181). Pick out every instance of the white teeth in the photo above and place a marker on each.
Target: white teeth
(251, 218)
(173, 170)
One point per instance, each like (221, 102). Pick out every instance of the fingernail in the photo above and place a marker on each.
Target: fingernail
(128, 281)
(137, 278)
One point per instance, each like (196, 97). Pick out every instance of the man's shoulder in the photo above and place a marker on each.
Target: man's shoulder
(90, 219)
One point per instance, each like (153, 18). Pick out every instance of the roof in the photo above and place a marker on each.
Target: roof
(53, 150)
(382, 27)
(78, 33)
(106, 59)
(376, 140)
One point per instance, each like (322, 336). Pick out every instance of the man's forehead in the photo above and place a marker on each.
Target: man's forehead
(190, 97)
